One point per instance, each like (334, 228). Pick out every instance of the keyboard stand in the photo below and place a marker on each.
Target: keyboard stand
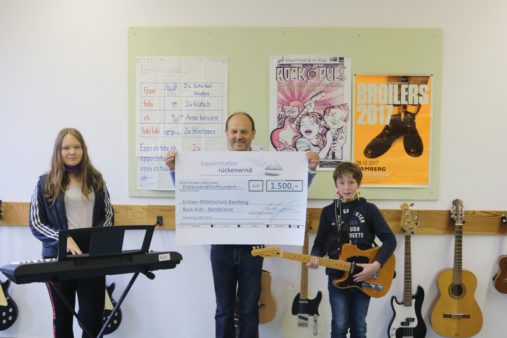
(148, 274)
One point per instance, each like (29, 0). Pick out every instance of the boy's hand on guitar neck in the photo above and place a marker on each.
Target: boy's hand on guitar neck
(313, 263)
(368, 270)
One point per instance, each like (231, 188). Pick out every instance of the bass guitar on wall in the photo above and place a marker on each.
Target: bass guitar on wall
(456, 312)
(407, 320)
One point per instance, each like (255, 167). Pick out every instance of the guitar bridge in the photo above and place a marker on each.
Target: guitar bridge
(457, 315)
(302, 320)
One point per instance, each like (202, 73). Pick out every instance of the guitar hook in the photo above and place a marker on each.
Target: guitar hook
(160, 221)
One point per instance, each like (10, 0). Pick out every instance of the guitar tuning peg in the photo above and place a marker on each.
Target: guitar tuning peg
(503, 219)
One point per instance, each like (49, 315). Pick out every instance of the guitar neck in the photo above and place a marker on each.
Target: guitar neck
(328, 263)
(458, 249)
(303, 295)
(407, 289)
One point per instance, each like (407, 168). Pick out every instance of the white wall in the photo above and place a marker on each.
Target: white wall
(64, 63)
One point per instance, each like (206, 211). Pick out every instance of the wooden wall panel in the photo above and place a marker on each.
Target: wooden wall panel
(477, 222)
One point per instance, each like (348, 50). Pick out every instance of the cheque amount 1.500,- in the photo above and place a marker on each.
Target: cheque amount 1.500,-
(284, 185)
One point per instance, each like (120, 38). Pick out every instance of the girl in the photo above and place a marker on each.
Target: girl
(71, 195)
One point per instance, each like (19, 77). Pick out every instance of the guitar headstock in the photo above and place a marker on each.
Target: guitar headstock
(409, 222)
(457, 212)
(272, 251)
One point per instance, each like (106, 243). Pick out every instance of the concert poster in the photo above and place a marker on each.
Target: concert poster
(310, 106)
(392, 129)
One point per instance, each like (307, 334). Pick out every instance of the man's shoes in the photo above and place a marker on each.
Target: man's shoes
(383, 141)
(411, 139)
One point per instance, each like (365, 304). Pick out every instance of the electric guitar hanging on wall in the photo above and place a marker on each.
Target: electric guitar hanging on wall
(8, 307)
(303, 318)
(456, 312)
(110, 303)
(407, 320)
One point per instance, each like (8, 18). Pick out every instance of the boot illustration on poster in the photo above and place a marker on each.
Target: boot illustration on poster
(401, 124)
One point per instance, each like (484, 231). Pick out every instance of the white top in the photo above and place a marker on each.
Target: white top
(79, 208)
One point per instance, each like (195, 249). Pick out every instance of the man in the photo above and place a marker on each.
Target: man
(235, 270)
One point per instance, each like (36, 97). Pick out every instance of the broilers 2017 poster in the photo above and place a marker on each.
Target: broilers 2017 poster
(392, 129)
(310, 106)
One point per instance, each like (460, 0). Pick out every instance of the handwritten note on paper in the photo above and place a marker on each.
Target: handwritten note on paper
(241, 197)
(181, 103)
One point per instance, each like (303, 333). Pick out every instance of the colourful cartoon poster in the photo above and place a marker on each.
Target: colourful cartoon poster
(392, 129)
(310, 106)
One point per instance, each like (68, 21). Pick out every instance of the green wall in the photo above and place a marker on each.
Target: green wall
(373, 51)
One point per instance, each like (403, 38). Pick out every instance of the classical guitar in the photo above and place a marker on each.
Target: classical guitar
(8, 307)
(500, 279)
(302, 320)
(407, 320)
(267, 305)
(376, 286)
(108, 308)
(456, 312)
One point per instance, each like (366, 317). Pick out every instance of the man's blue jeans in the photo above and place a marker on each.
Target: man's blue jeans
(349, 308)
(236, 270)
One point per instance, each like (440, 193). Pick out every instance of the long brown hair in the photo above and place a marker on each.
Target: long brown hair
(58, 179)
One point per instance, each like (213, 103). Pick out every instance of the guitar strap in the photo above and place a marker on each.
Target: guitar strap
(340, 221)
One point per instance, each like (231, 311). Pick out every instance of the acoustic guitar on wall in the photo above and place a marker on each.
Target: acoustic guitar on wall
(500, 278)
(267, 304)
(456, 312)
(407, 320)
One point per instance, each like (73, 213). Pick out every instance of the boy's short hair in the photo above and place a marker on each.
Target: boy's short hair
(348, 168)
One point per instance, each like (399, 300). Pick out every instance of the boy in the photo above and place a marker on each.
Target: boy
(350, 219)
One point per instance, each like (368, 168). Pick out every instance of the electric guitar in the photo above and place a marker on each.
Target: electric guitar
(407, 320)
(8, 307)
(500, 279)
(302, 320)
(110, 303)
(456, 312)
(376, 286)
